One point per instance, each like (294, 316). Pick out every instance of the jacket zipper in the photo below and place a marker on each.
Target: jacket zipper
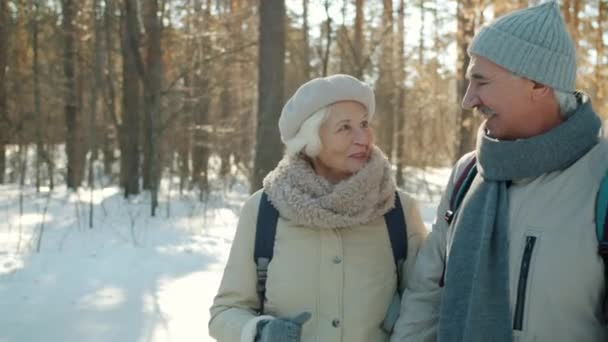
(523, 283)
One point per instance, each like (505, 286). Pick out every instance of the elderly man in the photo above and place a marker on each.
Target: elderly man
(518, 259)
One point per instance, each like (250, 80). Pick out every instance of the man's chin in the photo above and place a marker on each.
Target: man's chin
(489, 130)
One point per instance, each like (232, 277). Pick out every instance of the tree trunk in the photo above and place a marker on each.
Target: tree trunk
(421, 35)
(153, 79)
(385, 94)
(93, 100)
(73, 115)
(226, 109)
(576, 9)
(325, 58)
(131, 100)
(465, 29)
(566, 12)
(306, 41)
(110, 93)
(358, 44)
(599, 64)
(271, 62)
(502, 7)
(183, 143)
(4, 127)
(16, 129)
(228, 95)
(400, 116)
(201, 150)
(36, 74)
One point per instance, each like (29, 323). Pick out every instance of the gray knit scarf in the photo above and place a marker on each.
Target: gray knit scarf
(475, 300)
(307, 199)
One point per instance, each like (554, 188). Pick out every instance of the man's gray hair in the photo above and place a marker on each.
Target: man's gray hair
(307, 139)
(566, 101)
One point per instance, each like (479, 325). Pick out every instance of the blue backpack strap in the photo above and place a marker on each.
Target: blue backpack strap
(397, 233)
(266, 228)
(601, 225)
(462, 185)
(395, 223)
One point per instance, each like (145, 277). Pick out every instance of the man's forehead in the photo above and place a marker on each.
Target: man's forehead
(481, 67)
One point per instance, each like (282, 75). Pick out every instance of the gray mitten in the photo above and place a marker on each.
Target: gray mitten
(282, 329)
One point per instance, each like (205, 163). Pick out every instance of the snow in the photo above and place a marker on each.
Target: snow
(131, 277)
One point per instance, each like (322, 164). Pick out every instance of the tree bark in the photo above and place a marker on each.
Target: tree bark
(36, 77)
(359, 43)
(130, 131)
(325, 58)
(421, 33)
(201, 150)
(153, 79)
(73, 115)
(465, 30)
(4, 127)
(269, 148)
(110, 114)
(400, 114)
(386, 86)
(306, 41)
(599, 65)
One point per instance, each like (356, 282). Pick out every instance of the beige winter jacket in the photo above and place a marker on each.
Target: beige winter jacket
(556, 276)
(345, 277)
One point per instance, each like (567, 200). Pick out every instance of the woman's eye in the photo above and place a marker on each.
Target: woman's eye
(344, 128)
(364, 124)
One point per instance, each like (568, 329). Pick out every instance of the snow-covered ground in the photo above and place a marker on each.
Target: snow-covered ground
(131, 277)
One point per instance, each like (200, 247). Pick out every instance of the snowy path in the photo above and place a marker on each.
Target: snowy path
(129, 278)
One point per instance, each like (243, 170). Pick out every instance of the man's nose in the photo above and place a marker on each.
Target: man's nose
(470, 99)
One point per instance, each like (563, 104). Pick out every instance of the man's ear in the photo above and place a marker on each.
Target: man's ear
(540, 91)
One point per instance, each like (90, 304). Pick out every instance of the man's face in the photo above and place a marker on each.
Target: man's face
(509, 104)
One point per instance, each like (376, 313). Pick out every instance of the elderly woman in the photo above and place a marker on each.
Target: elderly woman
(334, 271)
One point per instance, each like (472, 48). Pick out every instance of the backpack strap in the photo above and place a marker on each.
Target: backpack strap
(601, 225)
(266, 228)
(397, 233)
(396, 225)
(460, 189)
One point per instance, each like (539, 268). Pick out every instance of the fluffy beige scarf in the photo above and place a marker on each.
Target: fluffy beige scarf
(307, 199)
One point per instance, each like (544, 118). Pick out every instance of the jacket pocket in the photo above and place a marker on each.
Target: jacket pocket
(522, 285)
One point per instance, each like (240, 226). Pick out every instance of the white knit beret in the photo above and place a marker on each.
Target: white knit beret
(319, 93)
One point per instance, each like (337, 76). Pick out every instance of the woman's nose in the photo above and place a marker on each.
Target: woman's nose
(362, 137)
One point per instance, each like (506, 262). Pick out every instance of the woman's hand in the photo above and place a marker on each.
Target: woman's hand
(282, 329)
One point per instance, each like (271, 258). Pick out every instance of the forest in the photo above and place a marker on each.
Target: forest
(95, 93)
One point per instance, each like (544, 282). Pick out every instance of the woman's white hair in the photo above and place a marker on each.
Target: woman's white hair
(566, 101)
(307, 139)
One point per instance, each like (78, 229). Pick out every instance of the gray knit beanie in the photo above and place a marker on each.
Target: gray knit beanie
(531, 43)
(320, 93)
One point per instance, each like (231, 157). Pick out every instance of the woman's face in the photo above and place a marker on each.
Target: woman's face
(346, 140)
